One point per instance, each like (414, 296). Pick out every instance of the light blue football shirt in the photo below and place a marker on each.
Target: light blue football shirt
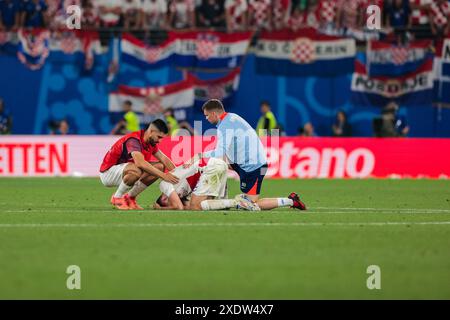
(238, 141)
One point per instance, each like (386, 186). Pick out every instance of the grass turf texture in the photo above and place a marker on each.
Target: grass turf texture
(403, 226)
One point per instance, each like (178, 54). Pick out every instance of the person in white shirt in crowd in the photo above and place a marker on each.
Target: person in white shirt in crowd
(182, 14)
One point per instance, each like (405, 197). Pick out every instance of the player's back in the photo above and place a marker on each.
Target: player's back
(244, 146)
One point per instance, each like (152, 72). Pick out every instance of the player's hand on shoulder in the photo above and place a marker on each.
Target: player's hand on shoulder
(171, 178)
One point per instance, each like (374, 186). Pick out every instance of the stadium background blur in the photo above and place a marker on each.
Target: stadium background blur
(38, 100)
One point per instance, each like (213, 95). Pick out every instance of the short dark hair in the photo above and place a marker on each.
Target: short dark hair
(128, 102)
(213, 104)
(160, 125)
(265, 103)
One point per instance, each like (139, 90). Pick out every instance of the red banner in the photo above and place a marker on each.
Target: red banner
(288, 157)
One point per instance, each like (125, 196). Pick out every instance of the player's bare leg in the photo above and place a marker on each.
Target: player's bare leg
(207, 203)
(140, 185)
(293, 201)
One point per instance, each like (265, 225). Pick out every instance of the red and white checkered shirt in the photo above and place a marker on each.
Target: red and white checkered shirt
(351, 10)
(260, 11)
(304, 19)
(182, 10)
(440, 13)
(237, 10)
(328, 9)
(420, 16)
(280, 13)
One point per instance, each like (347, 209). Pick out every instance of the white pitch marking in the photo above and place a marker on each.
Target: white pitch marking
(227, 224)
(384, 209)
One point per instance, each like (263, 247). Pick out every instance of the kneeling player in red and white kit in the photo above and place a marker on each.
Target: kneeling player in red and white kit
(206, 184)
(201, 181)
(127, 165)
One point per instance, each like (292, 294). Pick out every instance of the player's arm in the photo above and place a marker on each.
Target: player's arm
(164, 160)
(140, 162)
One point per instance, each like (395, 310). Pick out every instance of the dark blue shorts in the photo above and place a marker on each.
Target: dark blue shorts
(251, 181)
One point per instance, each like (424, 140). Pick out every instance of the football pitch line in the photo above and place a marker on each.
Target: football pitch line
(327, 210)
(384, 209)
(237, 224)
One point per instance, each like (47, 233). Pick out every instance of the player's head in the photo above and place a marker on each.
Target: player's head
(213, 109)
(163, 200)
(127, 106)
(156, 131)
(265, 107)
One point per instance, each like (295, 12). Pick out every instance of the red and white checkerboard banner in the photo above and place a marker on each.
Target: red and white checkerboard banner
(261, 10)
(206, 46)
(152, 54)
(440, 13)
(328, 9)
(303, 51)
(399, 55)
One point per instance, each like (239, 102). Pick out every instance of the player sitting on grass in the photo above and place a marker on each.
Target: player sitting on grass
(127, 165)
(206, 185)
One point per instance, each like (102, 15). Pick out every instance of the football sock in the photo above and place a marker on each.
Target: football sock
(138, 187)
(121, 190)
(284, 202)
(218, 204)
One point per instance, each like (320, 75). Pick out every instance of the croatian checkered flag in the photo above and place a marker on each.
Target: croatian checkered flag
(399, 55)
(206, 45)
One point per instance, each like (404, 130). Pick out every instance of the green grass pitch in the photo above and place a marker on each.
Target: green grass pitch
(402, 226)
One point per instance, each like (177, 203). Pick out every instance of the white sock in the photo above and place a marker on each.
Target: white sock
(138, 187)
(284, 202)
(218, 204)
(123, 188)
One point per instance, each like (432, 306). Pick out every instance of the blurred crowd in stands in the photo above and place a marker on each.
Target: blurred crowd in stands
(422, 17)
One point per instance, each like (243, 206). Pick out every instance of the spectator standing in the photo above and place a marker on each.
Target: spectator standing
(34, 14)
(236, 15)
(260, 14)
(5, 119)
(267, 122)
(398, 14)
(420, 17)
(132, 14)
(341, 127)
(9, 14)
(439, 15)
(130, 121)
(211, 14)
(327, 15)
(307, 130)
(109, 12)
(172, 123)
(62, 128)
(89, 18)
(281, 13)
(182, 14)
(154, 14)
(348, 16)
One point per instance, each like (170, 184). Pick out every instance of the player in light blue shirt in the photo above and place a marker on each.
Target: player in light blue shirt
(238, 143)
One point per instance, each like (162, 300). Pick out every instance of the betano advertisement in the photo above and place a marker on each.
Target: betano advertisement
(289, 157)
